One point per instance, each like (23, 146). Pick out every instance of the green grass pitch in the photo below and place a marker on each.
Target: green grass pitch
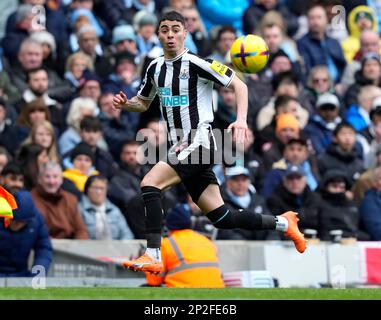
(191, 294)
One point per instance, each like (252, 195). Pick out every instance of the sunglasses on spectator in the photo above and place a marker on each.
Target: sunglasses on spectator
(328, 107)
(317, 80)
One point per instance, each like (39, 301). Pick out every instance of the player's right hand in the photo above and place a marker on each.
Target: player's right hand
(119, 100)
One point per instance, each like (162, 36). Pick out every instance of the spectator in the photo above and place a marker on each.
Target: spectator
(124, 78)
(117, 126)
(58, 206)
(125, 184)
(8, 129)
(344, 214)
(373, 135)
(30, 57)
(287, 127)
(30, 158)
(49, 48)
(319, 82)
(360, 19)
(370, 208)
(196, 31)
(369, 74)
(295, 154)
(82, 158)
(358, 114)
(317, 48)
(321, 125)
(257, 10)
(12, 177)
(91, 133)
(90, 86)
(284, 83)
(43, 134)
(5, 158)
(26, 232)
(79, 108)
(295, 195)
(237, 194)
(145, 23)
(8, 91)
(225, 37)
(22, 28)
(369, 42)
(103, 220)
(190, 259)
(123, 40)
(341, 153)
(274, 31)
(31, 113)
(87, 41)
(365, 181)
(119, 12)
(76, 64)
(38, 84)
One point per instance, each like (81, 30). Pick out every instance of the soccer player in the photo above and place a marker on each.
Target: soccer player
(184, 84)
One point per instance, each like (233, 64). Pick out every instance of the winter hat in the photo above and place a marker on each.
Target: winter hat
(82, 148)
(45, 37)
(22, 11)
(293, 170)
(328, 99)
(286, 120)
(179, 218)
(370, 56)
(124, 32)
(335, 175)
(144, 18)
(87, 75)
(25, 209)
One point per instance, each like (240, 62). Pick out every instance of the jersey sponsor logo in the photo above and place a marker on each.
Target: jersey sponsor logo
(167, 100)
(174, 101)
(219, 67)
(184, 74)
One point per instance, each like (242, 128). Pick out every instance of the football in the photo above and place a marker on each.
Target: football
(249, 53)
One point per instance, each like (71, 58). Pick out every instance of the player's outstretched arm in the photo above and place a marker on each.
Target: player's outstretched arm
(239, 127)
(134, 104)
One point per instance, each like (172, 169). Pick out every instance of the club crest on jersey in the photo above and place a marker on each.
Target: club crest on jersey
(184, 74)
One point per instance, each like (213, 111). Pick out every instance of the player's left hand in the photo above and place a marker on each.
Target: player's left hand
(240, 131)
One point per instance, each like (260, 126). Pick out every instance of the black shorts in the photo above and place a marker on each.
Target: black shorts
(196, 177)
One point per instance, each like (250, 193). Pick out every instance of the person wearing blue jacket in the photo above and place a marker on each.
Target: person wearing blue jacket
(316, 48)
(370, 208)
(26, 232)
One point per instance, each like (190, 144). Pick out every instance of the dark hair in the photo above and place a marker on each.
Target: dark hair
(90, 123)
(90, 181)
(172, 16)
(12, 168)
(128, 143)
(223, 29)
(27, 158)
(301, 141)
(287, 77)
(283, 100)
(34, 70)
(342, 125)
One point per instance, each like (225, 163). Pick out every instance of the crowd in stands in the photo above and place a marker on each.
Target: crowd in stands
(73, 161)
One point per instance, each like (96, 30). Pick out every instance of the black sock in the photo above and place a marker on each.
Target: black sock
(224, 218)
(154, 215)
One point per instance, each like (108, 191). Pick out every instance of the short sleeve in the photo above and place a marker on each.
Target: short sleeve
(147, 89)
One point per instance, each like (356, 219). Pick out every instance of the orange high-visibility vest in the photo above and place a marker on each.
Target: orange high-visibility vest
(190, 260)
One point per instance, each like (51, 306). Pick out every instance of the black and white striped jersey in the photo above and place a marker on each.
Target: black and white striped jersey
(184, 85)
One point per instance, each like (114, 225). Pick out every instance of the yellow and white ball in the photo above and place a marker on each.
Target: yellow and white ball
(249, 54)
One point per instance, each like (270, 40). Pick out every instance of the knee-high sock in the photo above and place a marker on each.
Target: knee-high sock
(154, 215)
(224, 218)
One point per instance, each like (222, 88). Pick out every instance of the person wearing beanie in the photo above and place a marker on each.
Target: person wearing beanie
(342, 154)
(124, 39)
(190, 259)
(26, 232)
(82, 158)
(287, 127)
(369, 74)
(145, 24)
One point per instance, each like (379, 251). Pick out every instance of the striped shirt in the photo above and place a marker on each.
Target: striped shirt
(184, 85)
